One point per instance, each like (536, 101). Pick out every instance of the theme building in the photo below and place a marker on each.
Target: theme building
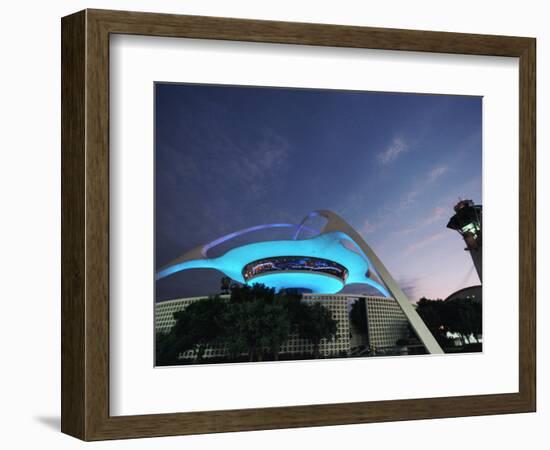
(320, 261)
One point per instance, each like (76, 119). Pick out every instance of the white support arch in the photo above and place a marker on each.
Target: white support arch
(336, 223)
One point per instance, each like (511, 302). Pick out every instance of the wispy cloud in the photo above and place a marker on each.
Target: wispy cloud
(249, 164)
(230, 160)
(409, 286)
(397, 147)
(421, 185)
(368, 227)
(252, 162)
(436, 172)
(408, 198)
(417, 245)
(435, 215)
(257, 162)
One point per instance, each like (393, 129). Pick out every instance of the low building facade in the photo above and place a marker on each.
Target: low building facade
(386, 325)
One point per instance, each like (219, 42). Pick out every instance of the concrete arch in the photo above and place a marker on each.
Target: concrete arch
(336, 223)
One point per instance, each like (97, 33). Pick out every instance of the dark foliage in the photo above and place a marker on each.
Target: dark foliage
(316, 323)
(254, 320)
(358, 315)
(201, 324)
(462, 316)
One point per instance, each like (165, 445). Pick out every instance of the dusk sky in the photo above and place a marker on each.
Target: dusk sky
(392, 165)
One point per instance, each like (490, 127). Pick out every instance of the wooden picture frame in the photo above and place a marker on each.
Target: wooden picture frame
(85, 224)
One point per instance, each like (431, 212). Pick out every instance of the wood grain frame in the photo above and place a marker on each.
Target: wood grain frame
(85, 224)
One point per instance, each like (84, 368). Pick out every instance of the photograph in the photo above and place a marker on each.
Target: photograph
(302, 224)
(259, 225)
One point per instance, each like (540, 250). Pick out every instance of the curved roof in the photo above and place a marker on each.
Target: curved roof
(470, 291)
(334, 245)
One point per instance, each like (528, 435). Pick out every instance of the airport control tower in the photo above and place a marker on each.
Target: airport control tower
(467, 221)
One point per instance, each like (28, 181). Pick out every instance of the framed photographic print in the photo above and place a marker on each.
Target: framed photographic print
(267, 224)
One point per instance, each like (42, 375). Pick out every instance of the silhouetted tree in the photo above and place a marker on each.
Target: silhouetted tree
(166, 348)
(200, 324)
(257, 320)
(358, 315)
(225, 285)
(245, 293)
(255, 326)
(291, 301)
(433, 314)
(316, 323)
(462, 316)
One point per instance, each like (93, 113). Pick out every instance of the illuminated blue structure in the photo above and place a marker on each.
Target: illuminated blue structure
(334, 257)
(328, 247)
